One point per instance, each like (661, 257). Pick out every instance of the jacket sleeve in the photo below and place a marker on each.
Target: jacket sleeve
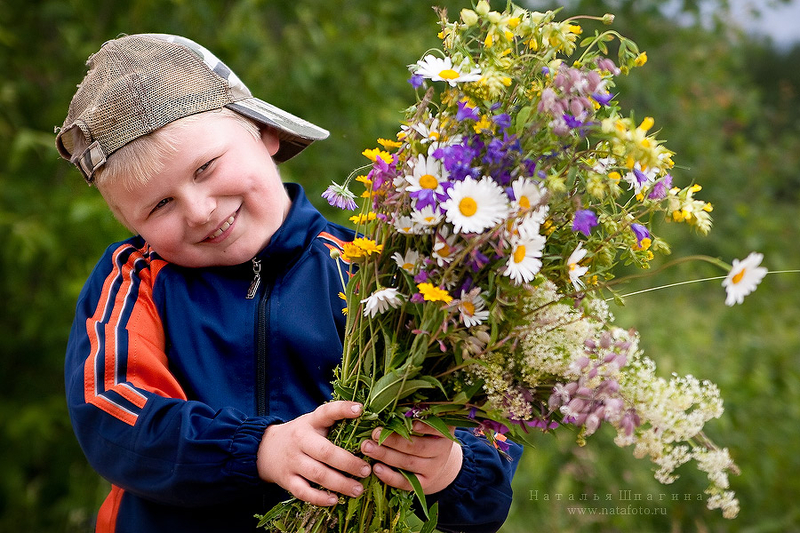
(479, 498)
(130, 414)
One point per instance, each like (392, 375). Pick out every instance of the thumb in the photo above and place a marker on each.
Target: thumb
(328, 413)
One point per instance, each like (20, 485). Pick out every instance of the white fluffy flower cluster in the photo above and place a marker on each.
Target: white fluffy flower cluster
(672, 413)
(554, 338)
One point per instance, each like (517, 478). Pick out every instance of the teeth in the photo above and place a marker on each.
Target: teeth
(225, 225)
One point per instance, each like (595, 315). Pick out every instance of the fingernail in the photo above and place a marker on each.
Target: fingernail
(356, 409)
(357, 490)
(378, 469)
(365, 471)
(369, 446)
(332, 500)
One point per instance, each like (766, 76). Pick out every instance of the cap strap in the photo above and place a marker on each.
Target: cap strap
(88, 161)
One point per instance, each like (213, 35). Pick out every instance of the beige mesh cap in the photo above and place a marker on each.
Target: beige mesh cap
(139, 83)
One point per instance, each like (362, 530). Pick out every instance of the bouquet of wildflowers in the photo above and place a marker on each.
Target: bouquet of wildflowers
(490, 230)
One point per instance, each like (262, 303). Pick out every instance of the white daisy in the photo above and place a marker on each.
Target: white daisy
(408, 262)
(528, 226)
(529, 194)
(525, 259)
(472, 307)
(743, 278)
(438, 69)
(575, 269)
(406, 225)
(444, 248)
(427, 132)
(382, 300)
(427, 176)
(426, 217)
(474, 206)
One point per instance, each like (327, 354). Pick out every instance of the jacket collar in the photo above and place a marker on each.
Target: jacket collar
(298, 231)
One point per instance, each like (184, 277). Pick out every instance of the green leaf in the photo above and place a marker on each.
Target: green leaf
(438, 424)
(392, 387)
(395, 425)
(430, 524)
(352, 506)
(379, 498)
(414, 481)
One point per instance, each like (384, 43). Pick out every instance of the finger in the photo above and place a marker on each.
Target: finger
(395, 458)
(391, 477)
(420, 445)
(325, 452)
(302, 490)
(328, 478)
(329, 413)
(423, 428)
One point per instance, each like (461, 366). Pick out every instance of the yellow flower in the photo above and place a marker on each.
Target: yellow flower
(641, 59)
(484, 124)
(646, 124)
(361, 219)
(386, 143)
(374, 153)
(644, 245)
(433, 294)
(360, 247)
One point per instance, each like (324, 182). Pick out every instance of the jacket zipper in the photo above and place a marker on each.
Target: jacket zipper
(251, 292)
(262, 320)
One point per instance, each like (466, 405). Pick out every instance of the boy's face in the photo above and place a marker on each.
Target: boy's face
(217, 201)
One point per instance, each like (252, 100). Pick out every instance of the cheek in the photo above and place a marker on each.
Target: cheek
(162, 236)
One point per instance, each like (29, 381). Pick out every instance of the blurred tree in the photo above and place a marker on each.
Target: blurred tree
(726, 104)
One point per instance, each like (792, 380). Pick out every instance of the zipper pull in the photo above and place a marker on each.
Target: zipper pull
(251, 292)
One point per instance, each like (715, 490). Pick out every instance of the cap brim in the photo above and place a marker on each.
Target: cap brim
(295, 133)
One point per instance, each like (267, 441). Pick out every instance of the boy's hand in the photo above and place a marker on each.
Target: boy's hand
(297, 453)
(434, 458)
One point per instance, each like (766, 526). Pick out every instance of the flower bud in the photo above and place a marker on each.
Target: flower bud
(482, 8)
(469, 17)
(608, 19)
(592, 423)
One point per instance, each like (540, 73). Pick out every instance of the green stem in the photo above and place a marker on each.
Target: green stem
(708, 259)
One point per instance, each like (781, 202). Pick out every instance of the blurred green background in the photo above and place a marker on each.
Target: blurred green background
(726, 102)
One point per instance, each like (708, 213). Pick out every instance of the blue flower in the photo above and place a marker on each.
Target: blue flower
(503, 120)
(641, 233)
(465, 112)
(660, 189)
(584, 221)
(603, 98)
(416, 81)
(572, 122)
(457, 158)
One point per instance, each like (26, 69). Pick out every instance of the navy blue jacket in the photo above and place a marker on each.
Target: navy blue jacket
(173, 374)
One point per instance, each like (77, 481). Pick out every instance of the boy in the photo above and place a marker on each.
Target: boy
(199, 363)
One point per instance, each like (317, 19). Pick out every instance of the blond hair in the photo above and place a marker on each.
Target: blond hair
(136, 162)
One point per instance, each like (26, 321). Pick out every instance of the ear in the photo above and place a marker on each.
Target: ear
(270, 139)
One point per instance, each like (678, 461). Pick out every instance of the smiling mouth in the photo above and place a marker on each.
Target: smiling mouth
(225, 225)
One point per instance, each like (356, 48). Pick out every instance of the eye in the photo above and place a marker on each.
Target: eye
(204, 167)
(161, 204)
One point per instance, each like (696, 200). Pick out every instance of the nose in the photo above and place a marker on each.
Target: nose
(198, 208)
